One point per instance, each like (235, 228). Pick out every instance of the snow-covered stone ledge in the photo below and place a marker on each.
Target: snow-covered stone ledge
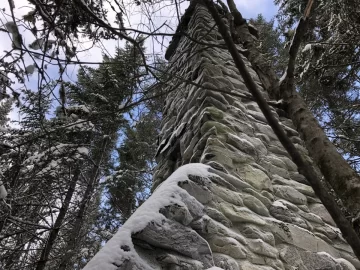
(201, 217)
(161, 227)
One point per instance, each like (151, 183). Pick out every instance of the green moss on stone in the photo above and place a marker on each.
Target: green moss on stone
(220, 128)
(215, 113)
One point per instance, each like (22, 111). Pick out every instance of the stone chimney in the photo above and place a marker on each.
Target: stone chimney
(226, 194)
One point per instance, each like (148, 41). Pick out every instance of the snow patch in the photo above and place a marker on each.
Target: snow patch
(122, 106)
(279, 204)
(342, 261)
(283, 77)
(306, 48)
(3, 192)
(83, 150)
(100, 97)
(167, 193)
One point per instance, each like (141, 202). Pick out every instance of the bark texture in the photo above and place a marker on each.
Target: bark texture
(304, 166)
(342, 178)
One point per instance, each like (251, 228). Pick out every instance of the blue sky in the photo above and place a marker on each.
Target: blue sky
(251, 8)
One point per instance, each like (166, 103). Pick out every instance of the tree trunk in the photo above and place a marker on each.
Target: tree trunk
(44, 257)
(304, 166)
(342, 178)
(70, 248)
(78, 222)
(337, 172)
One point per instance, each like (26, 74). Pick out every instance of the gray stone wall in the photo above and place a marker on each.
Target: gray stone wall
(227, 194)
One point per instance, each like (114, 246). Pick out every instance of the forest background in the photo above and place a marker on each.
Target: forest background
(81, 98)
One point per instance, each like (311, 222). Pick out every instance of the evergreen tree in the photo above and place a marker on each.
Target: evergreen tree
(43, 157)
(59, 161)
(88, 166)
(106, 92)
(130, 185)
(270, 43)
(328, 68)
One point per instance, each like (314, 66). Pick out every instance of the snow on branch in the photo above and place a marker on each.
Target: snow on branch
(296, 41)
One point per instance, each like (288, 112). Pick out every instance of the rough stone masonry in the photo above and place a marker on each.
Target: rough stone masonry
(227, 195)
